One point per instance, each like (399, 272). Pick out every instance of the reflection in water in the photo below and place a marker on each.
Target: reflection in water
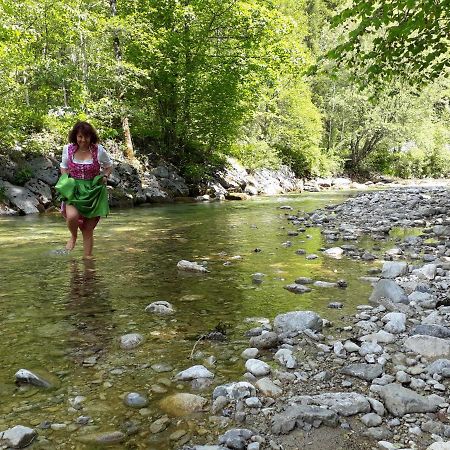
(91, 313)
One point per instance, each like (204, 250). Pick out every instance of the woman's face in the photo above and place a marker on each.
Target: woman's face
(83, 140)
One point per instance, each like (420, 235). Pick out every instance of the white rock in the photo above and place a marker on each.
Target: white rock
(286, 358)
(189, 266)
(257, 367)
(368, 348)
(130, 341)
(334, 252)
(193, 373)
(268, 388)
(429, 346)
(160, 307)
(250, 353)
(351, 347)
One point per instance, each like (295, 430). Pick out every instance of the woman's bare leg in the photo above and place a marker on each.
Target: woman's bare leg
(88, 236)
(72, 216)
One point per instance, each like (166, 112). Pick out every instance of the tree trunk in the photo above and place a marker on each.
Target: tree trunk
(129, 149)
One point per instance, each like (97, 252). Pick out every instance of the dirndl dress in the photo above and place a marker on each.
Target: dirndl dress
(83, 187)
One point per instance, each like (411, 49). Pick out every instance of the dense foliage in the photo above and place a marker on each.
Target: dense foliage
(191, 81)
(391, 38)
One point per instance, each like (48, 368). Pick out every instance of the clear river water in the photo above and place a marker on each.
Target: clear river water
(63, 317)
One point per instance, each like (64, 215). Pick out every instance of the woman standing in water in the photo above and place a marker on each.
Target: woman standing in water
(85, 169)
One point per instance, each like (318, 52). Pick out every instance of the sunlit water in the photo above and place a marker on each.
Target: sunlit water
(59, 312)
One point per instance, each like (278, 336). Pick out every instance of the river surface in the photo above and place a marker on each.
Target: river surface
(63, 317)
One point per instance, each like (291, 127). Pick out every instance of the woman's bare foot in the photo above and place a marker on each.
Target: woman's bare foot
(71, 243)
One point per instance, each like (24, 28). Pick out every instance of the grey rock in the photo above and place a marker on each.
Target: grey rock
(378, 433)
(428, 346)
(18, 436)
(160, 307)
(44, 169)
(297, 288)
(390, 290)
(250, 353)
(135, 400)
(343, 403)
(324, 284)
(236, 438)
(268, 388)
(297, 321)
(235, 391)
(286, 421)
(304, 280)
(189, 266)
(400, 400)
(368, 348)
(286, 358)
(334, 252)
(265, 340)
(394, 269)
(438, 331)
(257, 367)
(159, 425)
(439, 446)
(24, 376)
(130, 341)
(395, 322)
(107, 438)
(426, 272)
(366, 372)
(40, 189)
(371, 420)
(20, 197)
(198, 371)
(382, 337)
(161, 367)
(439, 367)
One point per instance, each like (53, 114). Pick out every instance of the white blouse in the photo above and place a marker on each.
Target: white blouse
(103, 158)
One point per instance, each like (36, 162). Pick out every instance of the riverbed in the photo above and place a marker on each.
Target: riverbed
(63, 317)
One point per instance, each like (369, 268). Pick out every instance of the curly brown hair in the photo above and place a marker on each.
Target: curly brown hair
(86, 129)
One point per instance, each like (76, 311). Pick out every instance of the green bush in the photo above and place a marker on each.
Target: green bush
(2, 194)
(256, 155)
(23, 175)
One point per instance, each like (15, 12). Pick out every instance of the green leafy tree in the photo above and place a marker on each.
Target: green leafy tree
(392, 38)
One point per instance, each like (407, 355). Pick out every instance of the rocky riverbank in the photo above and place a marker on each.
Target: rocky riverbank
(380, 380)
(27, 187)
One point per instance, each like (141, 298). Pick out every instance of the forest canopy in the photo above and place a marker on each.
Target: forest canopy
(192, 81)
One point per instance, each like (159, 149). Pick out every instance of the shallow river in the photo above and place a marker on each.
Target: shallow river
(63, 318)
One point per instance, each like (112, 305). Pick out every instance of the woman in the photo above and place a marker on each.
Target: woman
(85, 169)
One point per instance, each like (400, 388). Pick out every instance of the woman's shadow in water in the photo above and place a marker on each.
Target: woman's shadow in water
(91, 313)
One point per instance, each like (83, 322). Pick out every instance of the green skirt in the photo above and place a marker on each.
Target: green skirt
(89, 197)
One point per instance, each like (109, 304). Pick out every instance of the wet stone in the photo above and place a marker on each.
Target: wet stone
(162, 367)
(159, 425)
(135, 400)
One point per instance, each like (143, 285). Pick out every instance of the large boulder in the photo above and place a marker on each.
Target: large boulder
(428, 346)
(20, 197)
(40, 189)
(394, 269)
(44, 169)
(182, 404)
(390, 290)
(297, 321)
(400, 400)
(17, 437)
(343, 403)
